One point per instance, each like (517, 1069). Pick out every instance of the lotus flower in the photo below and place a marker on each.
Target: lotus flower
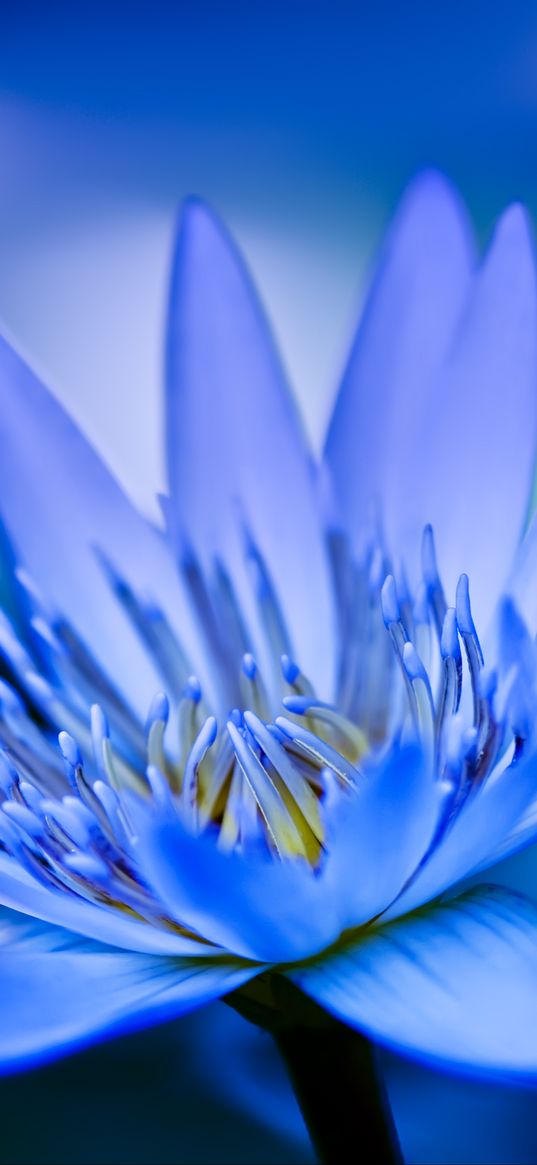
(340, 736)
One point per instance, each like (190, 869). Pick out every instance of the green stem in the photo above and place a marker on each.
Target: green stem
(334, 1071)
(338, 1086)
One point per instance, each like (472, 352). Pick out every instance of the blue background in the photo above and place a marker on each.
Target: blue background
(301, 124)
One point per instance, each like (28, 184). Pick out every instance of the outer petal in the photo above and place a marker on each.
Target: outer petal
(475, 449)
(522, 584)
(456, 982)
(235, 448)
(459, 448)
(58, 992)
(405, 333)
(59, 503)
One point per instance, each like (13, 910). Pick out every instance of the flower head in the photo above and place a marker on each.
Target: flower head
(340, 733)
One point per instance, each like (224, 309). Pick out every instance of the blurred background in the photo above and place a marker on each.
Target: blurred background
(301, 124)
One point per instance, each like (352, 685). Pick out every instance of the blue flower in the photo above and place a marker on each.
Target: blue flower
(147, 870)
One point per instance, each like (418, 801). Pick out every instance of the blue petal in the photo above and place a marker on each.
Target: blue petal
(59, 503)
(403, 338)
(236, 452)
(260, 909)
(277, 911)
(461, 449)
(470, 844)
(380, 834)
(522, 584)
(476, 444)
(19, 891)
(59, 992)
(519, 838)
(455, 983)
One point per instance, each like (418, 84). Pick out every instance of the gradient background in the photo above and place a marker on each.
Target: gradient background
(301, 124)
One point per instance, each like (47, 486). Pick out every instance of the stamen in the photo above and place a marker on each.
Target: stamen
(190, 717)
(422, 624)
(253, 690)
(204, 740)
(435, 591)
(115, 822)
(422, 693)
(31, 796)
(230, 616)
(323, 753)
(468, 632)
(299, 789)
(159, 786)
(228, 835)
(74, 828)
(153, 629)
(270, 612)
(23, 817)
(112, 768)
(156, 724)
(451, 676)
(280, 825)
(87, 866)
(394, 625)
(347, 736)
(207, 619)
(293, 676)
(212, 792)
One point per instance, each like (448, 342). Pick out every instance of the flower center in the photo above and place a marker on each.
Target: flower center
(258, 781)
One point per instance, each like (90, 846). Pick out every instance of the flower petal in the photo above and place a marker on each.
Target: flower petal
(278, 911)
(404, 335)
(59, 992)
(19, 891)
(381, 833)
(236, 452)
(475, 447)
(260, 909)
(470, 844)
(456, 982)
(522, 584)
(59, 504)
(458, 448)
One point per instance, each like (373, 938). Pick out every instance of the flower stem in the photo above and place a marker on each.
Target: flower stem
(338, 1086)
(333, 1069)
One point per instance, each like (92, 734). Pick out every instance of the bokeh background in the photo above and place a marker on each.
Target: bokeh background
(301, 123)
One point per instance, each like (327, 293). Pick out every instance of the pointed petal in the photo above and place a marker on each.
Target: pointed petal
(454, 983)
(475, 450)
(405, 333)
(519, 838)
(235, 448)
(381, 833)
(59, 992)
(272, 911)
(470, 844)
(59, 503)
(522, 584)
(277, 911)
(453, 436)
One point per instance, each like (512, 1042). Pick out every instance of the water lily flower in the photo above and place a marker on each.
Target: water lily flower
(343, 731)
